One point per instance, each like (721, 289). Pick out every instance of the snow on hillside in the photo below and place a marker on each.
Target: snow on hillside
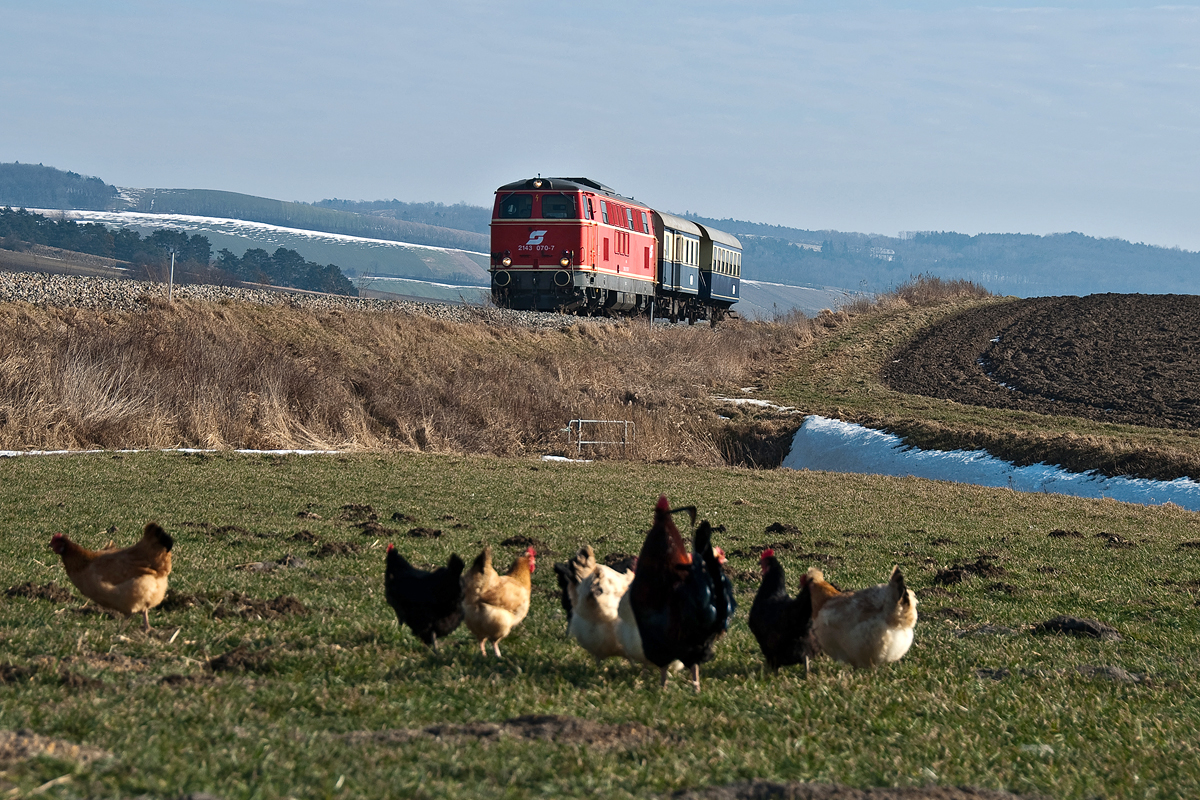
(354, 254)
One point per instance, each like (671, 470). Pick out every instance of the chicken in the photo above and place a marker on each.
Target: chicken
(131, 580)
(429, 602)
(594, 593)
(782, 624)
(680, 601)
(495, 604)
(865, 628)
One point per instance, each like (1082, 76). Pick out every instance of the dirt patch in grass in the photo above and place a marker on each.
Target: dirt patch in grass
(246, 607)
(762, 790)
(242, 659)
(424, 533)
(46, 591)
(1058, 533)
(285, 561)
(372, 528)
(982, 567)
(358, 512)
(523, 542)
(1116, 542)
(16, 673)
(236, 532)
(235, 604)
(336, 549)
(22, 745)
(544, 727)
(1074, 626)
(175, 679)
(77, 682)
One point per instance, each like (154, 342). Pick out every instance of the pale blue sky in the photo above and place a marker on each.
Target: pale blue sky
(862, 116)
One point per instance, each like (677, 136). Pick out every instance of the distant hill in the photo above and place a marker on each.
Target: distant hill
(231, 205)
(36, 186)
(1024, 265)
(459, 216)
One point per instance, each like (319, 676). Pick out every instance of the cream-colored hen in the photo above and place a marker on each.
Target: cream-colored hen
(865, 628)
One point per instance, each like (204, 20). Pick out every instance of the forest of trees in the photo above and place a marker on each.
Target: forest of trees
(285, 268)
(20, 228)
(36, 186)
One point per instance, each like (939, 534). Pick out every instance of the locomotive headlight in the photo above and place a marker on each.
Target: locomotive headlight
(537, 183)
(565, 261)
(506, 262)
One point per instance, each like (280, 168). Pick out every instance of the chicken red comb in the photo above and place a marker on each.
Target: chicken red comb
(768, 553)
(530, 552)
(663, 505)
(391, 547)
(719, 552)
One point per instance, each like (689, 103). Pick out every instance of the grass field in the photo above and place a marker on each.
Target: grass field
(241, 694)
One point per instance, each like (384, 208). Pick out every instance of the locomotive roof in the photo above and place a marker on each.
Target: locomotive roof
(564, 185)
(721, 237)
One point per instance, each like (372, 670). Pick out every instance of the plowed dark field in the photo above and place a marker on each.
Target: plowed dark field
(1123, 358)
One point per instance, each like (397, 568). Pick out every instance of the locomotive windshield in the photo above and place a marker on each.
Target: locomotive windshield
(516, 206)
(558, 206)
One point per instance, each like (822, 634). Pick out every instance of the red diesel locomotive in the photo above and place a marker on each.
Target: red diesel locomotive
(574, 245)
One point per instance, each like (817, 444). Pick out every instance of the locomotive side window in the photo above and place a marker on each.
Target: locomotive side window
(604, 211)
(588, 211)
(645, 223)
(629, 218)
(517, 206)
(558, 206)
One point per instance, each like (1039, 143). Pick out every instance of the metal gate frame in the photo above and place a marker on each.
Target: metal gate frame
(575, 433)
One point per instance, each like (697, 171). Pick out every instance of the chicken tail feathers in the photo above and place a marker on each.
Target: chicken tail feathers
(583, 564)
(563, 572)
(898, 587)
(482, 562)
(455, 565)
(155, 533)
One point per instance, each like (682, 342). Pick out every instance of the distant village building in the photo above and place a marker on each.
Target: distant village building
(883, 252)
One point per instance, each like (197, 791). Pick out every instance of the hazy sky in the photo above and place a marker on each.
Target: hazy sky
(859, 116)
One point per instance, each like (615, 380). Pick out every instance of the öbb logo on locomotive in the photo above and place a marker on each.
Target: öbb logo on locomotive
(574, 245)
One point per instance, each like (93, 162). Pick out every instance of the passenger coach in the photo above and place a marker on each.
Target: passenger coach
(574, 245)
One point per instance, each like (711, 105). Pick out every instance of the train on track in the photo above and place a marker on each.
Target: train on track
(574, 245)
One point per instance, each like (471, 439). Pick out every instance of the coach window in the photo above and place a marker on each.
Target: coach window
(516, 206)
(558, 206)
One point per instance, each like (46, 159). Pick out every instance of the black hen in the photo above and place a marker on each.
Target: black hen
(681, 601)
(782, 624)
(428, 602)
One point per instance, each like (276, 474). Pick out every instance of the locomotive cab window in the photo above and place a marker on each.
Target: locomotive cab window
(516, 206)
(558, 206)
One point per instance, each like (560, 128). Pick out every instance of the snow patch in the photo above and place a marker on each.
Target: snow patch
(835, 446)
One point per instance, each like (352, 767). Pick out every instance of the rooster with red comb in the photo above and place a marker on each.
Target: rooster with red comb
(782, 624)
(680, 599)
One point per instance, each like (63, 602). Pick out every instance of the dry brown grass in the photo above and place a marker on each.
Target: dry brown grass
(233, 375)
(197, 374)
